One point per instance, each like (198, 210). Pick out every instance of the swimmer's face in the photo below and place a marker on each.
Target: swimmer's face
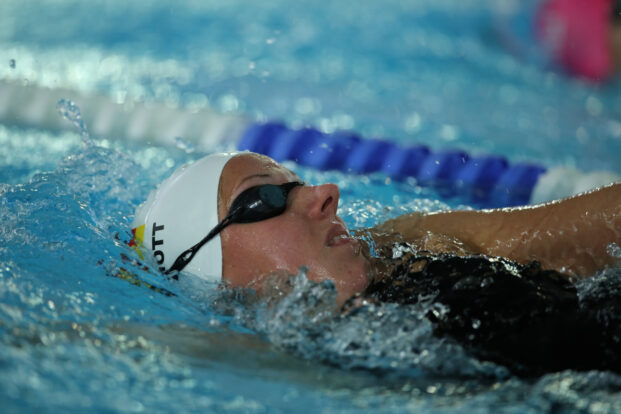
(308, 233)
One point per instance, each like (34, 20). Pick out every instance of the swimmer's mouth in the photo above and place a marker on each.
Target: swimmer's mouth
(337, 236)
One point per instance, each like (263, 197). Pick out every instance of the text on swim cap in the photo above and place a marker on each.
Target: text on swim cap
(158, 254)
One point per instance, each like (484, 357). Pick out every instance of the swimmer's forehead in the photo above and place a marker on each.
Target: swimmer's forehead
(247, 170)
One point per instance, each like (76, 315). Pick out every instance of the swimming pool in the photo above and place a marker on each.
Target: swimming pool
(76, 338)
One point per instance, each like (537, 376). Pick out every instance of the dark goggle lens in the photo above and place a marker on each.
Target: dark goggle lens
(261, 202)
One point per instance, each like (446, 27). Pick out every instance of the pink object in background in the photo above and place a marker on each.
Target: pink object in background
(577, 34)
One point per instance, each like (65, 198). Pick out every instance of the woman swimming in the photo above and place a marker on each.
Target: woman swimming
(242, 217)
(569, 236)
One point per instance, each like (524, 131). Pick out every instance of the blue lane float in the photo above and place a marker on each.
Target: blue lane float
(487, 180)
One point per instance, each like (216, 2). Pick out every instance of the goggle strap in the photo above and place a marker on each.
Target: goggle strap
(186, 257)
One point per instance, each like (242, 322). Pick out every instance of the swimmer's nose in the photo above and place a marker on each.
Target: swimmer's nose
(320, 201)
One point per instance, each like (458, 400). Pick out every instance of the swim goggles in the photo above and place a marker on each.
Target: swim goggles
(254, 204)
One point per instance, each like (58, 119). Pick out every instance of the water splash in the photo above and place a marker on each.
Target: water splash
(184, 145)
(71, 112)
(614, 250)
(302, 318)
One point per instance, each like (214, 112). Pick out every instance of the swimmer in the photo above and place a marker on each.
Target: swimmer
(239, 218)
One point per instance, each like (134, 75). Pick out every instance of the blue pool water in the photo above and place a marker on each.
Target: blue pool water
(77, 334)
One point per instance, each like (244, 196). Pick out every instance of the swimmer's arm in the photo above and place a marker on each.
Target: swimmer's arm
(569, 235)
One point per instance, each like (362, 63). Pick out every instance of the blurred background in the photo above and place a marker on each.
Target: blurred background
(468, 74)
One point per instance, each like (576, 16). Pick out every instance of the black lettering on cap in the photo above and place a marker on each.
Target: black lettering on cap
(159, 255)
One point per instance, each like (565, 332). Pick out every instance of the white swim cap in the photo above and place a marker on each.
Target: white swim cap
(179, 213)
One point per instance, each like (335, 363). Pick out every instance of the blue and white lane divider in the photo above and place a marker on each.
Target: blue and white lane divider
(487, 180)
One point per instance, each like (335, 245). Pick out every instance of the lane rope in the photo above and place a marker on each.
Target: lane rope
(484, 180)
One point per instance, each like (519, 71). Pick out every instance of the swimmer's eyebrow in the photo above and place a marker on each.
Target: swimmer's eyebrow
(250, 177)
